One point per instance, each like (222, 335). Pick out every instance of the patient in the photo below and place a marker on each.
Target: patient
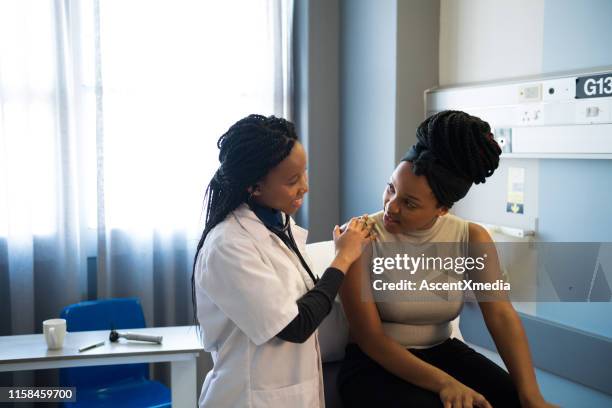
(401, 354)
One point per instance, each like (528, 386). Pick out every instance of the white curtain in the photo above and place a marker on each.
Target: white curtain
(109, 116)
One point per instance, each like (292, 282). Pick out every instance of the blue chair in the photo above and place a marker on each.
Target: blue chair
(125, 385)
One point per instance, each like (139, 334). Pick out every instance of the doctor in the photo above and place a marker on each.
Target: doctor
(256, 299)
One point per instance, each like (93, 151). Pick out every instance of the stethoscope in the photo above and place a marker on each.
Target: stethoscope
(284, 234)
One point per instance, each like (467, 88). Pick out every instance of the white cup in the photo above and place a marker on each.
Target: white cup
(54, 331)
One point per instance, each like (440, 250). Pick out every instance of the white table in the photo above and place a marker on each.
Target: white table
(180, 347)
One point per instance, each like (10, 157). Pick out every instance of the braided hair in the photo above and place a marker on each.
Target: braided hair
(247, 152)
(453, 150)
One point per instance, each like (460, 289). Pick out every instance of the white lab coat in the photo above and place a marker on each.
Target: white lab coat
(247, 284)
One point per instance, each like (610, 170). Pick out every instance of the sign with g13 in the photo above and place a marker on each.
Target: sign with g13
(594, 86)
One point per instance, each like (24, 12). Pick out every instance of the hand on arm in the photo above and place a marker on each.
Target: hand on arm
(350, 241)
(316, 304)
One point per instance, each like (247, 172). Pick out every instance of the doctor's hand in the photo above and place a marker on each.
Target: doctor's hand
(455, 394)
(351, 241)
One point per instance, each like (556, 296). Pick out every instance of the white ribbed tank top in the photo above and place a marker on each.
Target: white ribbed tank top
(421, 324)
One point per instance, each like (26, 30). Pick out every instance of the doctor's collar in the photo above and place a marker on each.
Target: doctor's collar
(269, 216)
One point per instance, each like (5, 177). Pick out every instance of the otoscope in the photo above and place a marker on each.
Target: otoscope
(114, 337)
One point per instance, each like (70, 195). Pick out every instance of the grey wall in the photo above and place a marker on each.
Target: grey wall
(576, 35)
(316, 27)
(368, 92)
(389, 56)
(418, 29)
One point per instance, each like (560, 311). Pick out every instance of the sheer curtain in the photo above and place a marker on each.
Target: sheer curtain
(175, 76)
(109, 116)
(42, 248)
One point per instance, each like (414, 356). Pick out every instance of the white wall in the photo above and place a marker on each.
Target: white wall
(482, 40)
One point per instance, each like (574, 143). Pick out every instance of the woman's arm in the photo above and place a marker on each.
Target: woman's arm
(509, 336)
(506, 328)
(316, 304)
(313, 307)
(366, 329)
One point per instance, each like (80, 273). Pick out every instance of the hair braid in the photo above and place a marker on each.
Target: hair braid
(462, 143)
(453, 151)
(247, 152)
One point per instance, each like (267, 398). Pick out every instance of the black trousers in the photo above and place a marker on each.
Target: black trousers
(364, 383)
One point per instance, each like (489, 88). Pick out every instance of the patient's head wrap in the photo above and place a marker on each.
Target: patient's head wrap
(446, 186)
(453, 151)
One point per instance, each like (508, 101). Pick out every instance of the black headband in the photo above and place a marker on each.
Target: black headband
(446, 186)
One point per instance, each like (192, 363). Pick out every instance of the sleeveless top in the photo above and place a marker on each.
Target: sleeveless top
(424, 318)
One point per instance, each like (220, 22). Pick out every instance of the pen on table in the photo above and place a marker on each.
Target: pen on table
(91, 346)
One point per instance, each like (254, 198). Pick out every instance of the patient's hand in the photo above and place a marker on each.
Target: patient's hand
(455, 394)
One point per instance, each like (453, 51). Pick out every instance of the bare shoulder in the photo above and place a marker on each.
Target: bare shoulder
(478, 233)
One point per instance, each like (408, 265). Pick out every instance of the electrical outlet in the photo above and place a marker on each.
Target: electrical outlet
(530, 115)
(593, 111)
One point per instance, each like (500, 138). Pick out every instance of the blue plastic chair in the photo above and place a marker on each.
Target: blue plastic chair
(125, 385)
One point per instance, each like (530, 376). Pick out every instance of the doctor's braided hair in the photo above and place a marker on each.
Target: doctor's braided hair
(247, 152)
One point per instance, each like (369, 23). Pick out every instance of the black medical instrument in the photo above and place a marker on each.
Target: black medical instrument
(290, 242)
(115, 336)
